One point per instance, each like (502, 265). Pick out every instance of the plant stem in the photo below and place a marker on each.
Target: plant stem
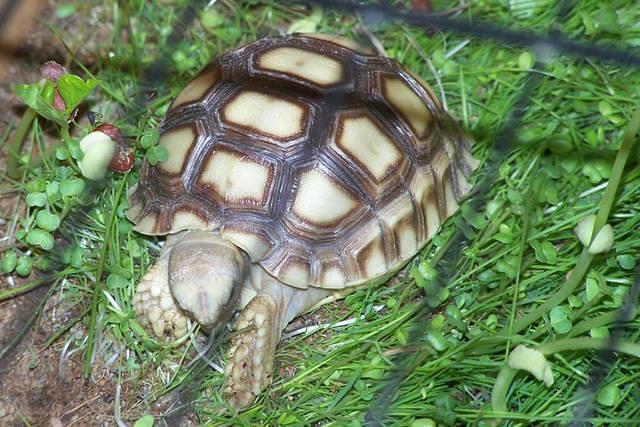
(587, 343)
(603, 319)
(506, 375)
(606, 203)
(17, 142)
(98, 285)
(8, 294)
(501, 387)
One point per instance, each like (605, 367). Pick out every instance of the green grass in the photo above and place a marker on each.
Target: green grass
(520, 249)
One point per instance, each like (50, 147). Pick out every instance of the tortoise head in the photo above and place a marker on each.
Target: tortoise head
(206, 273)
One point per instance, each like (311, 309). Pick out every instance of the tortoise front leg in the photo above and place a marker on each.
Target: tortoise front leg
(250, 357)
(259, 327)
(153, 302)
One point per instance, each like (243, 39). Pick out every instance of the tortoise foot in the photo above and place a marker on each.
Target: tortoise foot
(155, 307)
(250, 360)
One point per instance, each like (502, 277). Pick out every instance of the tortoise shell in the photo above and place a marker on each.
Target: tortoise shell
(327, 164)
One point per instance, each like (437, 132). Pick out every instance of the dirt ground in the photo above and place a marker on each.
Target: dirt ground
(38, 386)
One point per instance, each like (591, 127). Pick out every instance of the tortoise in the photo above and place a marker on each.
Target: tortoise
(300, 168)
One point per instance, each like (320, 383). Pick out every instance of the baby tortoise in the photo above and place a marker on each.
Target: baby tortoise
(300, 167)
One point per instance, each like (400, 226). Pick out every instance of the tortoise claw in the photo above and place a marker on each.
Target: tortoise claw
(250, 360)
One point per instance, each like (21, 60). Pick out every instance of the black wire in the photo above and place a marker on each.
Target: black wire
(627, 57)
(155, 76)
(446, 268)
(556, 42)
(158, 73)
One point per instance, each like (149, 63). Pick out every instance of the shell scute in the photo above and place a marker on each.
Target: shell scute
(198, 89)
(236, 180)
(314, 188)
(262, 114)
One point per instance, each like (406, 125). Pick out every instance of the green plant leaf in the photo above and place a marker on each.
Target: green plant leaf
(559, 313)
(74, 90)
(608, 395)
(134, 248)
(36, 185)
(563, 326)
(71, 187)
(65, 10)
(62, 153)
(63, 172)
(607, 20)
(559, 317)
(47, 221)
(39, 98)
(77, 257)
(545, 252)
(36, 199)
(476, 219)
(574, 301)
(145, 421)
(211, 19)
(445, 408)
(503, 238)
(437, 341)
(9, 261)
(115, 281)
(29, 94)
(619, 294)
(157, 154)
(38, 237)
(402, 336)
(53, 191)
(227, 34)
(149, 139)
(423, 422)
(626, 261)
(592, 288)
(375, 369)
(601, 332)
(526, 60)
(24, 266)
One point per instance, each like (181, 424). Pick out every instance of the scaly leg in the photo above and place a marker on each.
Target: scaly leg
(250, 357)
(154, 304)
(259, 327)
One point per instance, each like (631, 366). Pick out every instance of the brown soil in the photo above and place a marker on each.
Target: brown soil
(38, 385)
